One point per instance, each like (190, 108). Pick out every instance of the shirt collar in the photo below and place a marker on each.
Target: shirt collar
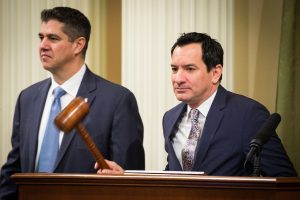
(71, 86)
(205, 106)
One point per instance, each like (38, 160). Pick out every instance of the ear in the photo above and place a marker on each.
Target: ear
(79, 44)
(217, 73)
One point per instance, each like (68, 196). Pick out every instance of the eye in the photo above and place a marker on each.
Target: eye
(190, 68)
(174, 69)
(41, 37)
(53, 38)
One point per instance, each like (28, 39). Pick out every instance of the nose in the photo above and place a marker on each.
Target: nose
(179, 76)
(44, 45)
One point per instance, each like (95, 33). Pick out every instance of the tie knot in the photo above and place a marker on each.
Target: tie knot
(195, 114)
(58, 92)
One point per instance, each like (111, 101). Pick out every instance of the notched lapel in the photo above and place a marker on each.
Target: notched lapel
(86, 90)
(212, 123)
(171, 130)
(39, 99)
(88, 87)
(210, 128)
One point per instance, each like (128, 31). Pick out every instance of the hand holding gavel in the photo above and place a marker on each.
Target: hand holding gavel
(70, 118)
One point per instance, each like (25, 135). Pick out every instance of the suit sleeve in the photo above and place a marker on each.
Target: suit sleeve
(127, 135)
(8, 189)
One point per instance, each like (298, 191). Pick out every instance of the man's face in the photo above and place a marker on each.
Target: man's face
(56, 51)
(192, 83)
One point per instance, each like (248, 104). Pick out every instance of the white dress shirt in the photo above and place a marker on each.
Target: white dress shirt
(71, 86)
(185, 124)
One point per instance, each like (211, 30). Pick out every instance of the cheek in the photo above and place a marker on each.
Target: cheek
(173, 79)
(62, 48)
(198, 83)
(62, 52)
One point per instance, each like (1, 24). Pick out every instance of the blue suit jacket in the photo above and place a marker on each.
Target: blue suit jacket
(113, 122)
(232, 121)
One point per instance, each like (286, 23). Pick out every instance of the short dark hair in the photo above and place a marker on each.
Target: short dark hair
(76, 24)
(211, 49)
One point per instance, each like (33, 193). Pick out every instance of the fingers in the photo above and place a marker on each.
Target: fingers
(109, 171)
(96, 166)
(114, 168)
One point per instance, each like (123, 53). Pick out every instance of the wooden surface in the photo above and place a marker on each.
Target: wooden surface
(149, 186)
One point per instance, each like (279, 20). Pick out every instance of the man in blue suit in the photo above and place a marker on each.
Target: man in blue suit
(228, 121)
(113, 122)
(226, 124)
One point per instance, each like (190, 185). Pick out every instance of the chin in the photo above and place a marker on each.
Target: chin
(46, 67)
(182, 98)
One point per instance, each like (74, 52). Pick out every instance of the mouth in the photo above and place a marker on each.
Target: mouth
(45, 56)
(180, 89)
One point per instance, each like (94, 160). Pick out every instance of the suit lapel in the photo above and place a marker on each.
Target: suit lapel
(35, 116)
(171, 130)
(86, 90)
(213, 120)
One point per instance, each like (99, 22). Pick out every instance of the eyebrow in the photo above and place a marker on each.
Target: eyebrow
(186, 65)
(48, 35)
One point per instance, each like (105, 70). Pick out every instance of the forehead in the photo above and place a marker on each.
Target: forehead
(52, 27)
(189, 51)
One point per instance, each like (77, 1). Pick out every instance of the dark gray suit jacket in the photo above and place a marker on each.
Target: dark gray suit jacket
(113, 122)
(232, 122)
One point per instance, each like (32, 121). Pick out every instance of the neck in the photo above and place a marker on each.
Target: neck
(63, 74)
(210, 92)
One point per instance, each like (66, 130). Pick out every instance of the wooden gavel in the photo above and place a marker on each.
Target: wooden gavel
(70, 118)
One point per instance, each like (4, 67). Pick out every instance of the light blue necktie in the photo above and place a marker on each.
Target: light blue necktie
(50, 143)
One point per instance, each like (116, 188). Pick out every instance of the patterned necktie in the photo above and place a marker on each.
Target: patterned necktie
(50, 143)
(188, 151)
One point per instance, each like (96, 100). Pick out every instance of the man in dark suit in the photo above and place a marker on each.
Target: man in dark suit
(226, 123)
(113, 122)
(217, 140)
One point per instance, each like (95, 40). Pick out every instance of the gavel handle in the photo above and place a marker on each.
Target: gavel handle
(91, 145)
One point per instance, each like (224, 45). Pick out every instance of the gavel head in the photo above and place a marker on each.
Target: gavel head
(69, 117)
